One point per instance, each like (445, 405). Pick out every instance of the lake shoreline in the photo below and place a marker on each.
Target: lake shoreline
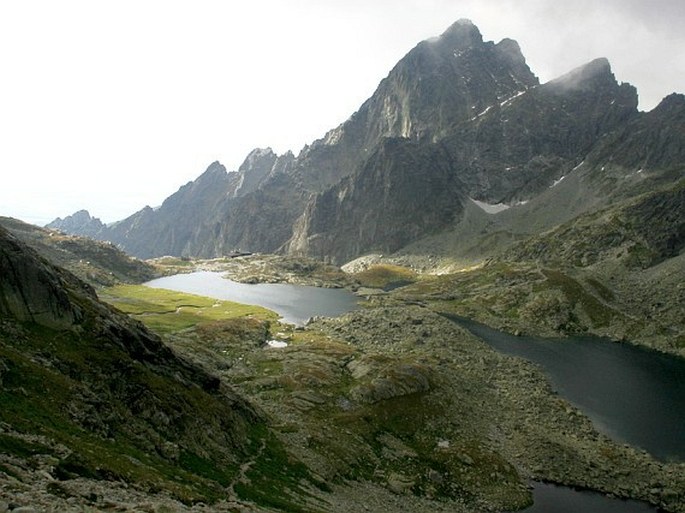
(658, 483)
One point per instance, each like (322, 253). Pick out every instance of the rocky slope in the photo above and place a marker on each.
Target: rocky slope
(615, 271)
(387, 407)
(89, 397)
(408, 191)
(601, 250)
(399, 408)
(98, 263)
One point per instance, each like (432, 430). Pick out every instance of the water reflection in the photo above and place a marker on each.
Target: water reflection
(295, 303)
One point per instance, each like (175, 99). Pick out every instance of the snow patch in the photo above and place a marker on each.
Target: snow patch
(490, 208)
(241, 180)
(512, 98)
(557, 182)
(278, 344)
(503, 103)
(481, 114)
(583, 162)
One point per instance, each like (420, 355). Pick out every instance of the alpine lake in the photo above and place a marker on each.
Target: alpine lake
(635, 396)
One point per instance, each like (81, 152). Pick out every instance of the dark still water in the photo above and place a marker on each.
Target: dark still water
(295, 303)
(633, 395)
(549, 498)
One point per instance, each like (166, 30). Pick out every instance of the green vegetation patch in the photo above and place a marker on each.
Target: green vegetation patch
(49, 395)
(36, 400)
(275, 479)
(598, 312)
(385, 276)
(167, 311)
(21, 448)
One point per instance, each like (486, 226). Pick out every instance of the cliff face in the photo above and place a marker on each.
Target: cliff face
(439, 84)
(652, 141)
(444, 82)
(30, 291)
(407, 190)
(170, 228)
(516, 148)
(509, 152)
(35, 291)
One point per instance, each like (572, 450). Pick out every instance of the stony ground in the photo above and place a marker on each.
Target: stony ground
(263, 268)
(399, 400)
(643, 306)
(394, 407)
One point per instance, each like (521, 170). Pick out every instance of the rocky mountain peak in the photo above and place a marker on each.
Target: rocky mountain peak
(672, 102)
(439, 84)
(588, 76)
(78, 222)
(216, 171)
(215, 176)
(216, 167)
(82, 216)
(461, 34)
(256, 157)
(462, 115)
(256, 167)
(511, 50)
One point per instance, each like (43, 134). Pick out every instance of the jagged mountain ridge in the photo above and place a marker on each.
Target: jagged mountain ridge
(95, 262)
(480, 125)
(79, 223)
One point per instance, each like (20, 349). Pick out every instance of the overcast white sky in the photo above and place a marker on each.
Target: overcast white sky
(113, 105)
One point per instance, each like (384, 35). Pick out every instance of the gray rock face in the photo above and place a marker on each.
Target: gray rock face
(170, 229)
(189, 222)
(516, 148)
(29, 291)
(80, 223)
(405, 190)
(654, 140)
(34, 290)
(444, 82)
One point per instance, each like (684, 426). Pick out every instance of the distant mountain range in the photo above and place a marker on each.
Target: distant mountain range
(457, 120)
